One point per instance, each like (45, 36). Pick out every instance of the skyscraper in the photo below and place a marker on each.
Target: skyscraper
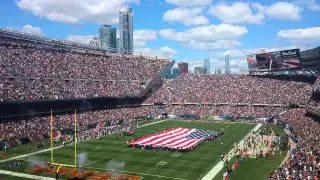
(183, 67)
(126, 30)
(207, 66)
(226, 65)
(108, 37)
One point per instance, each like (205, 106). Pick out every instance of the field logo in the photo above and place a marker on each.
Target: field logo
(161, 163)
(12, 165)
(175, 155)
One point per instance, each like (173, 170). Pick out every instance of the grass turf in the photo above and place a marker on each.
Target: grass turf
(256, 169)
(192, 165)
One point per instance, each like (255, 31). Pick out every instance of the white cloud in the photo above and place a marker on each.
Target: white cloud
(222, 36)
(310, 4)
(167, 49)
(187, 16)
(74, 11)
(237, 13)
(140, 37)
(81, 39)
(283, 11)
(205, 33)
(241, 53)
(219, 44)
(32, 29)
(308, 34)
(189, 2)
(163, 52)
(254, 13)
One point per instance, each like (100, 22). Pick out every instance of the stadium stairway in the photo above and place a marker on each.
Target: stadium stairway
(155, 79)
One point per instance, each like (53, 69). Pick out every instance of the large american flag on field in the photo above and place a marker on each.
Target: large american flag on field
(175, 138)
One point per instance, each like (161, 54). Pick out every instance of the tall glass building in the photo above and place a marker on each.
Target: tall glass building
(108, 37)
(207, 66)
(126, 30)
(227, 65)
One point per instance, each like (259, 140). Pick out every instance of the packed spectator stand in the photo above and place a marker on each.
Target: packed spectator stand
(196, 88)
(304, 161)
(314, 103)
(14, 89)
(224, 110)
(41, 125)
(31, 71)
(25, 59)
(42, 71)
(248, 99)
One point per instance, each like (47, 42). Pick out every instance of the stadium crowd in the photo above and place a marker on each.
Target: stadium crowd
(304, 162)
(41, 125)
(35, 89)
(195, 88)
(314, 106)
(224, 110)
(30, 71)
(33, 60)
(38, 71)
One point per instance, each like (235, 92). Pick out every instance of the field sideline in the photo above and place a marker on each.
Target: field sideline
(153, 165)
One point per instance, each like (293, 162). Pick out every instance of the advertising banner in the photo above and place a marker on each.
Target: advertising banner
(279, 60)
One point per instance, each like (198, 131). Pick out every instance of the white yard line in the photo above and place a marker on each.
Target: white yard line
(152, 123)
(23, 175)
(46, 150)
(30, 154)
(153, 175)
(219, 166)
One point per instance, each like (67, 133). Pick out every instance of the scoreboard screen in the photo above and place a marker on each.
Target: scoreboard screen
(279, 60)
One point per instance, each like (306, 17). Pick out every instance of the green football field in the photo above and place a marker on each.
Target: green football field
(149, 164)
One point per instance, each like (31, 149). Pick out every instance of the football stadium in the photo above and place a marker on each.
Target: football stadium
(76, 111)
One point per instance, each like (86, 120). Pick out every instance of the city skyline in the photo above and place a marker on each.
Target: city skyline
(117, 40)
(125, 27)
(183, 30)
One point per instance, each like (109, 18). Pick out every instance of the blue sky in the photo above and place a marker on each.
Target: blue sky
(186, 30)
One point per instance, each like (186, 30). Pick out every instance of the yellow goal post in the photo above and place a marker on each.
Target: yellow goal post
(75, 141)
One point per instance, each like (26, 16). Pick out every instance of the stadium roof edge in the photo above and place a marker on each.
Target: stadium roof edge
(39, 38)
(9, 33)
